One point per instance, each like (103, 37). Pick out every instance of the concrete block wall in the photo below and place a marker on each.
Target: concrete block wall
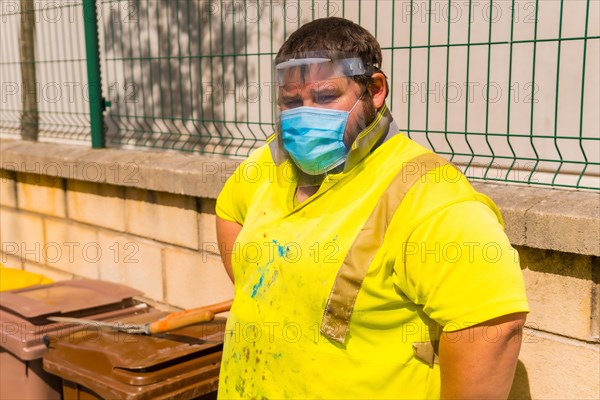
(560, 355)
(153, 241)
(155, 230)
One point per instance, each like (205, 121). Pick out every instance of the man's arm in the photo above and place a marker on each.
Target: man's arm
(479, 362)
(227, 232)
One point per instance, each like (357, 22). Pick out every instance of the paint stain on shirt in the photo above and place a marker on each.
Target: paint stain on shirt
(281, 249)
(256, 287)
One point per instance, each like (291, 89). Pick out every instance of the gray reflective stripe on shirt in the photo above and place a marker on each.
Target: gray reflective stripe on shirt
(352, 272)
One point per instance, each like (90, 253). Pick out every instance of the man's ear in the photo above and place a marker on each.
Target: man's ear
(378, 89)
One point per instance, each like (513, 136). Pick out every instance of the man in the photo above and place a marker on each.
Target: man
(364, 265)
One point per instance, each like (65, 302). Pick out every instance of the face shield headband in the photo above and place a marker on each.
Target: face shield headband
(316, 68)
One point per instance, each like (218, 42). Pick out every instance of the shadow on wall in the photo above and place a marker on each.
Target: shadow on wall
(520, 389)
(173, 71)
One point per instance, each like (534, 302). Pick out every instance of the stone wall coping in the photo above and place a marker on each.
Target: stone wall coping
(545, 218)
(179, 173)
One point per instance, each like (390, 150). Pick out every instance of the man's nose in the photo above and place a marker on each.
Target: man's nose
(309, 103)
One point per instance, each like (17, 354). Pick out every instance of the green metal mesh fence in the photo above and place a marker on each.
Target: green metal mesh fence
(60, 87)
(507, 89)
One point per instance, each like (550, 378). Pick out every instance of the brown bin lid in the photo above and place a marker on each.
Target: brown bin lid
(64, 297)
(119, 365)
(23, 311)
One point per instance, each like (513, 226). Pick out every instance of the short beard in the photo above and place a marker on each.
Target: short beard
(369, 114)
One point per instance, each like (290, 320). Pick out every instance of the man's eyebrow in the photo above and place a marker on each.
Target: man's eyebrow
(290, 96)
(290, 91)
(326, 90)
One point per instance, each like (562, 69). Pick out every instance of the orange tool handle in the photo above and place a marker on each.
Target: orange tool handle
(185, 318)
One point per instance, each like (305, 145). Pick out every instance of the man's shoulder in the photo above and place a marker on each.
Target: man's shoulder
(261, 155)
(430, 181)
(258, 163)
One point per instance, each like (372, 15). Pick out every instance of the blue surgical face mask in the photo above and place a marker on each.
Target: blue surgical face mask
(314, 137)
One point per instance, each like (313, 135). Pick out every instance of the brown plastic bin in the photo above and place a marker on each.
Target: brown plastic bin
(23, 326)
(105, 364)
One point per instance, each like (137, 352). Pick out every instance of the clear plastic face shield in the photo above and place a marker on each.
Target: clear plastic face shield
(320, 109)
(318, 80)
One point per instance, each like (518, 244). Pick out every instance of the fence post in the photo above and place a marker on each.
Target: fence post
(97, 102)
(29, 117)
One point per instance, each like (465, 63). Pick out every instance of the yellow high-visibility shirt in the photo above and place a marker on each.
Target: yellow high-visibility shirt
(445, 263)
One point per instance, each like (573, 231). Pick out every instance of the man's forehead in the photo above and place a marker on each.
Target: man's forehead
(309, 73)
(333, 85)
